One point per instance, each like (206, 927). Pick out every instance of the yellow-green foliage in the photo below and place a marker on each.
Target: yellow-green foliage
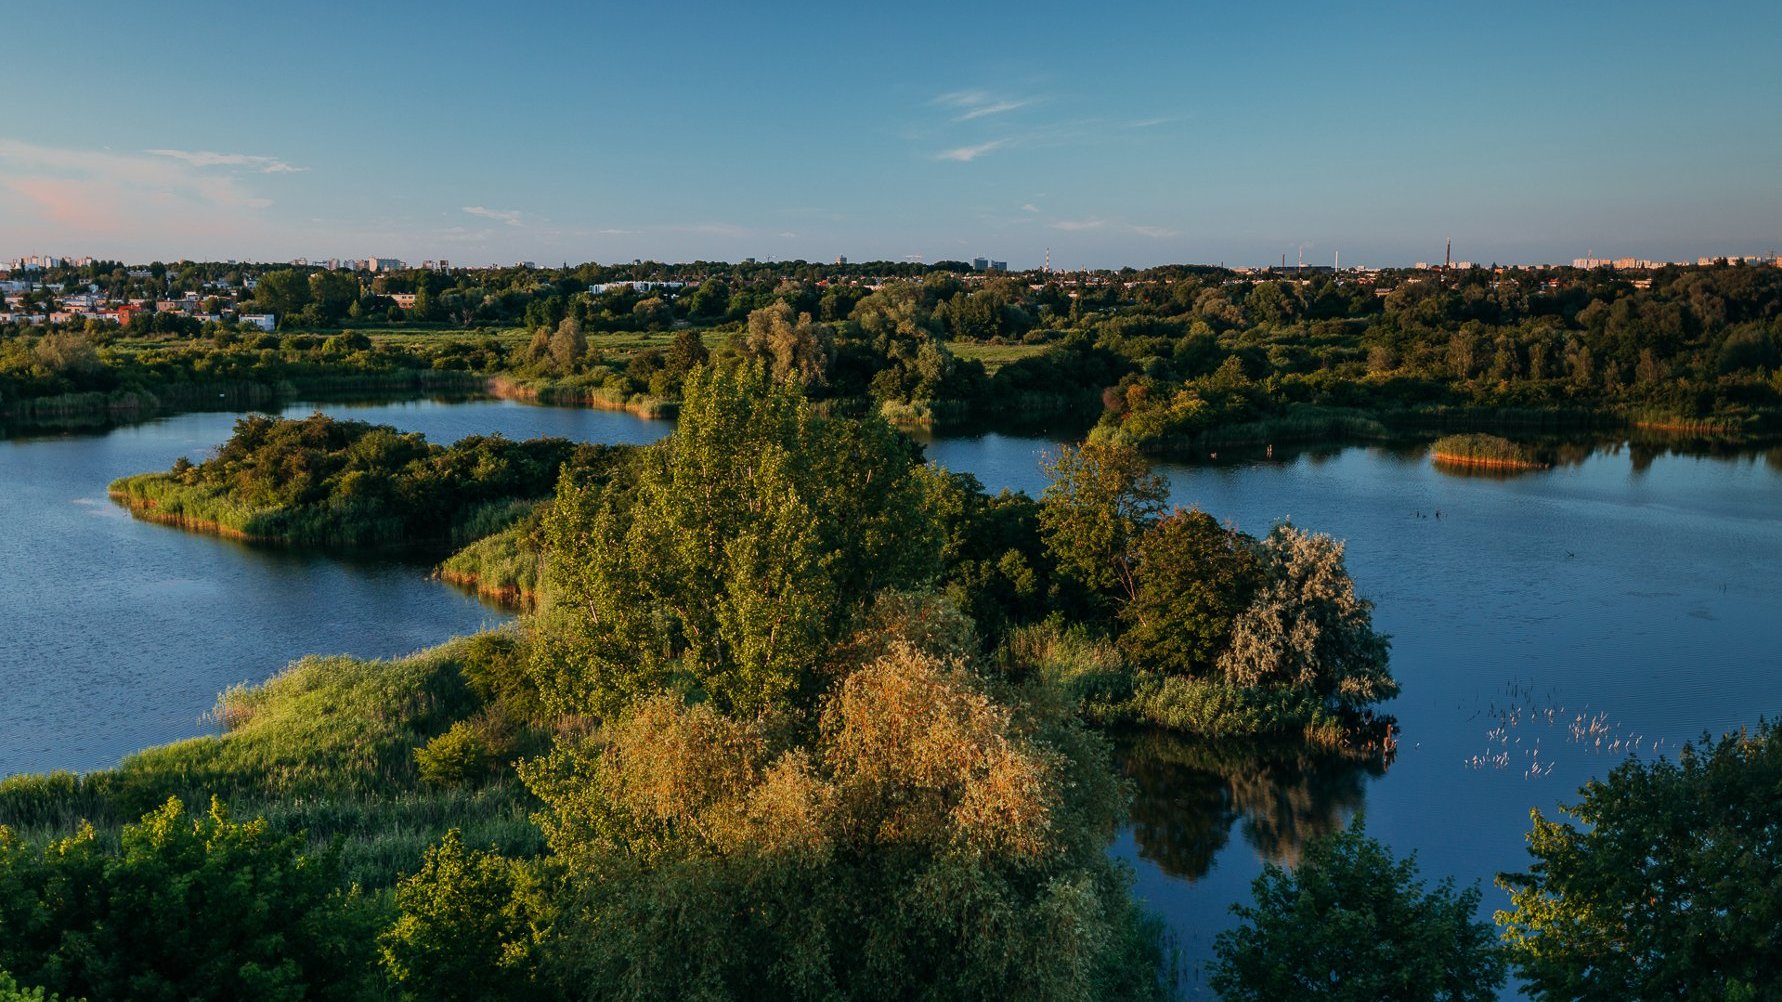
(10, 991)
(937, 836)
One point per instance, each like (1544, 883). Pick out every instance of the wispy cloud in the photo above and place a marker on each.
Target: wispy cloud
(966, 154)
(208, 158)
(1148, 123)
(994, 108)
(109, 193)
(970, 104)
(509, 216)
(1029, 207)
(1093, 223)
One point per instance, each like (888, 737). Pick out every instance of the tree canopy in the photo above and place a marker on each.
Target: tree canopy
(1351, 924)
(732, 553)
(184, 908)
(1665, 883)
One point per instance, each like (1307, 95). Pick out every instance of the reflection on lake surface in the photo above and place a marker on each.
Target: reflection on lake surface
(1190, 794)
(1631, 590)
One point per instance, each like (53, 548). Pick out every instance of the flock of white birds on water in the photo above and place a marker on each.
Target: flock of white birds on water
(1523, 709)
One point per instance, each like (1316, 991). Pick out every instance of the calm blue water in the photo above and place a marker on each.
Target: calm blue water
(1631, 597)
(1636, 592)
(119, 634)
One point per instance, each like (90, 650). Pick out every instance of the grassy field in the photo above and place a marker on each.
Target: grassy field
(994, 356)
(622, 343)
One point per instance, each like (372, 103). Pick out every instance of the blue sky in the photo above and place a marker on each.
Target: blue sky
(1139, 134)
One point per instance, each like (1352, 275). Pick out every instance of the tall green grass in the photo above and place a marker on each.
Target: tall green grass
(578, 392)
(503, 566)
(326, 746)
(1485, 450)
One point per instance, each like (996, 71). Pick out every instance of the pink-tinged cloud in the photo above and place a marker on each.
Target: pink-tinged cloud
(123, 197)
(74, 204)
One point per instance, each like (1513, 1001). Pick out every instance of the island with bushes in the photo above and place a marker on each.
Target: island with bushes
(322, 481)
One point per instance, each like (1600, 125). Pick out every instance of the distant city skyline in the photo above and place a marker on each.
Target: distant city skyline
(1168, 133)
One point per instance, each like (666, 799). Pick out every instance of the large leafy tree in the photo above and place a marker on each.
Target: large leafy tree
(730, 555)
(282, 292)
(1669, 884)
(1102, 498)
(1351, 924)
(927, 842)
(1194, 577)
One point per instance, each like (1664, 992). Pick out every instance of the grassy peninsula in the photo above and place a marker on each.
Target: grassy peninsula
(326, 482)
(502, 567)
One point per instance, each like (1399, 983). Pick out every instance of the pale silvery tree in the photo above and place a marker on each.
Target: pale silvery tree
(1307, 629)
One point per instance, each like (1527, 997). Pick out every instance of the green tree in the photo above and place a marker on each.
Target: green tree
(67, 354)
(1669, 885)
(282, 292)
(185, 908)
(1351, 924)
(332, 293)
(1102, 498)
(711, 299)
(469, 929)
(687, 353)
(568, 346)
(733, 554)
(1194, 577)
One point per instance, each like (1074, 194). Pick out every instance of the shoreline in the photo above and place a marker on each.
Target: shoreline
(1456, 459)
(508, 597)
(146, 510)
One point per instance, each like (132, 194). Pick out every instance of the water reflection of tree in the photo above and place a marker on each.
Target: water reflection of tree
(1189, 794)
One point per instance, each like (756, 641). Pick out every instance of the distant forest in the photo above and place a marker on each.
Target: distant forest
(1169, 359)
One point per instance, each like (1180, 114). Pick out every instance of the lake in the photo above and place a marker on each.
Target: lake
(1544, 627)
